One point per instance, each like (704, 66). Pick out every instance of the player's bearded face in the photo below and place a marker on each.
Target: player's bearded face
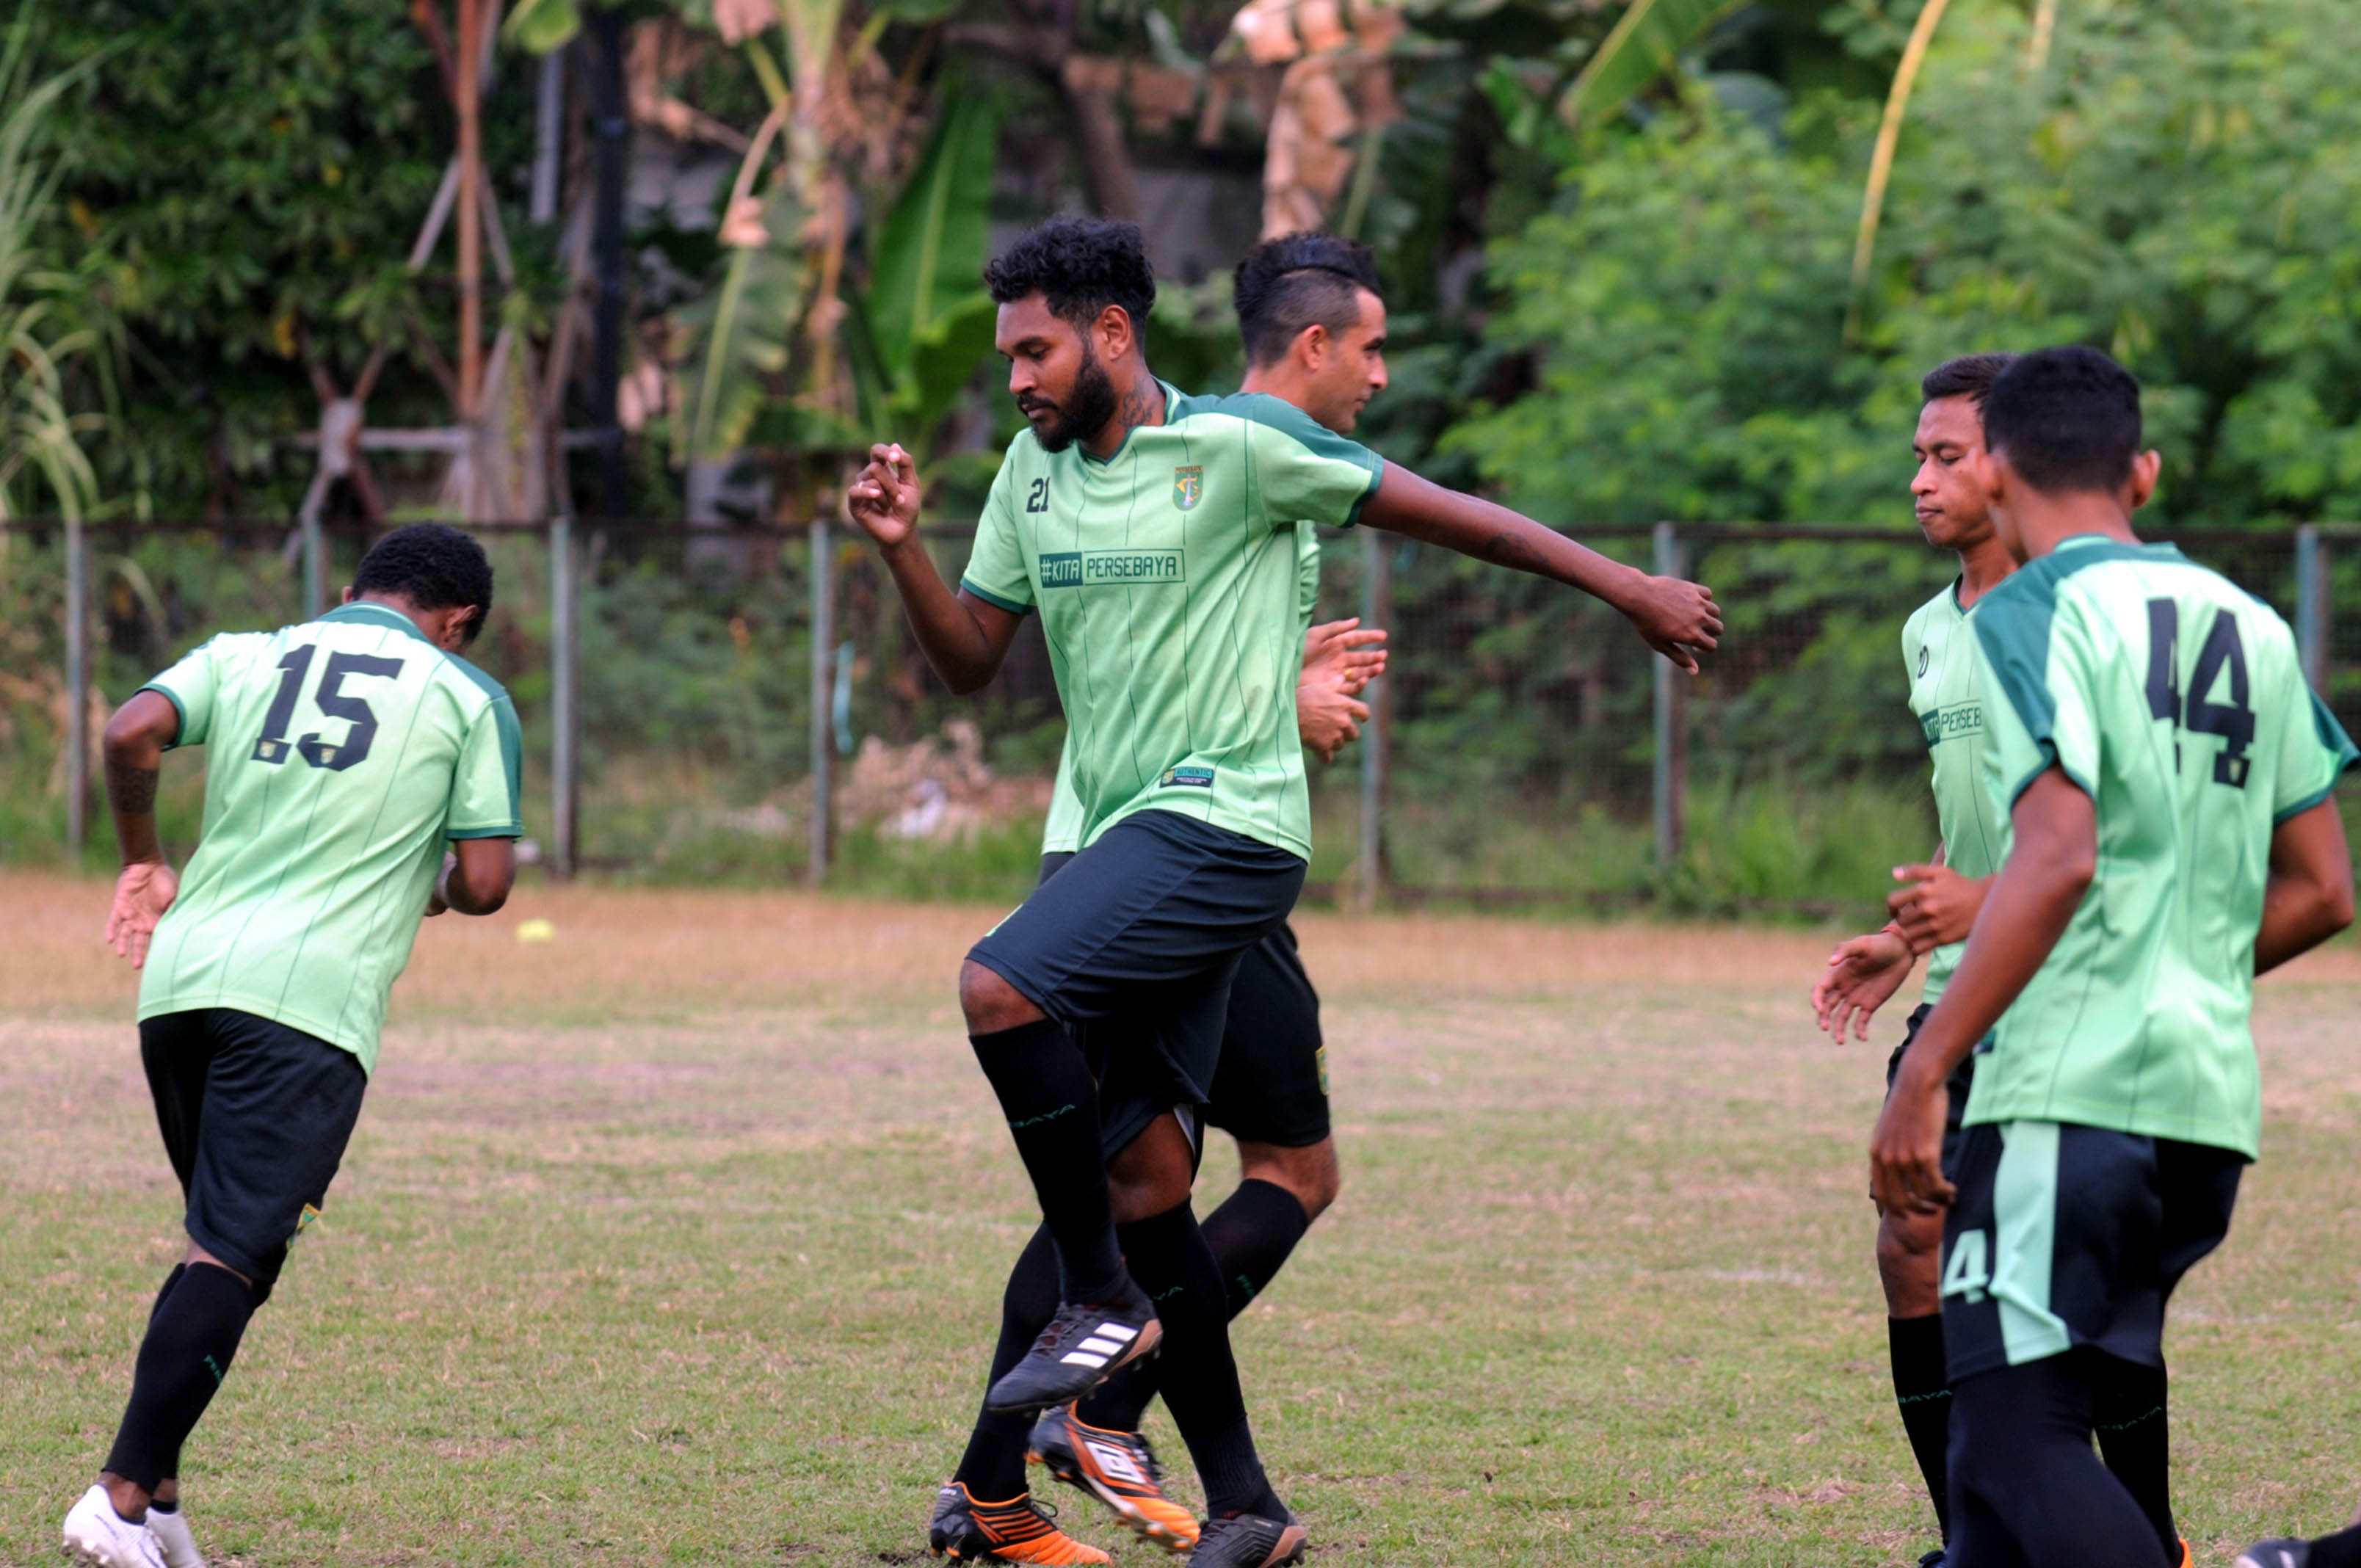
(1086, 406)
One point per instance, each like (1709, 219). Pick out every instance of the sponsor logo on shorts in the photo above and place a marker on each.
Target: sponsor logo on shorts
(304, 1221)
(1952, 723)
(1186, 778)
(1111, 569)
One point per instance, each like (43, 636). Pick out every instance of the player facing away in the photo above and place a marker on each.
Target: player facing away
(2166, 777)
(1314, 326)
(346, 753)
(1155, 534)
(1933, 912)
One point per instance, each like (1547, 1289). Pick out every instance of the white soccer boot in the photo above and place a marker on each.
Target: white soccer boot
(100, 1537)
(173, 1542)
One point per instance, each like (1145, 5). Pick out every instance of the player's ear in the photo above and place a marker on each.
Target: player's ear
(1114, 333)
(348, 594)
(1312, 346)
(2145, 469)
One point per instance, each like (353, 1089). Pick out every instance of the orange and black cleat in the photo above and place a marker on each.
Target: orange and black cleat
(1018, 1530)
(1119, 1469)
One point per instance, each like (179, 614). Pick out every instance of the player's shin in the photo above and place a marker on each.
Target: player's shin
(993, 1463)
(2128, 1407)
(1051, 1101)
(1169, 1259)
(191, 1342)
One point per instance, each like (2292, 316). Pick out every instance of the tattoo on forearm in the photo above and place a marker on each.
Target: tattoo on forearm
(131, 789)
(1507, 548)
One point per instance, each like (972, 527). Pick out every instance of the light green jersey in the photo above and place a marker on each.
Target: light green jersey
(1063, 833)
(2175, 701)
(344, 752)
(1939, 650)
(1169, 579)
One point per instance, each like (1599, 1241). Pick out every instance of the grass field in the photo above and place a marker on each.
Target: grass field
(679, 1240)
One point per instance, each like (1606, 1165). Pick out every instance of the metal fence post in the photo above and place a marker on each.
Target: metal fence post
(77, 687)
(823, 683)
(1377, 610)
(565, 720)
(1672, 725)
(315, 567)
(2312, 606)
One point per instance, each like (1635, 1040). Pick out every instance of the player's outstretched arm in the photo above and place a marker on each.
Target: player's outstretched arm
(1673, 617)
(2050, 864)
(133, 747)
(2309, 897)
(962, 637)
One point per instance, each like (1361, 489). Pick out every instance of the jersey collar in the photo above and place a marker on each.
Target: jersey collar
(375, 615)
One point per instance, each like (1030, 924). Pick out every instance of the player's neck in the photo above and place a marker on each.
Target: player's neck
(1982, 567)
(2045, 522)
(1140, 405)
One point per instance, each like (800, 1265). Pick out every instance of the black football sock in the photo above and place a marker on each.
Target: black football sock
(1251, 1234)
(1169, 1259)
(191, 1342)
(172, 1461)
(993, 1468)
(2027, 1486)
(2135, 1438)
(2342, 1550)
(1922, 1392)
(1051, 1103)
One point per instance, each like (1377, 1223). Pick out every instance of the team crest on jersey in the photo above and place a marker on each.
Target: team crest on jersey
(1188, 486)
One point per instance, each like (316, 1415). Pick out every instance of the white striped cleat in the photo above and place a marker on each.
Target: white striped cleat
(1082, 1347)
(96, 1535)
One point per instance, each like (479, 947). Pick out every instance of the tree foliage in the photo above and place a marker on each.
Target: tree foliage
(2174, 184)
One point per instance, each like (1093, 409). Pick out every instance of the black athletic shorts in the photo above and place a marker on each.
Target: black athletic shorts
(254, 1117)
(1962, 1080)
(1272, 1085)
(1134, 942)
(2065, 1236)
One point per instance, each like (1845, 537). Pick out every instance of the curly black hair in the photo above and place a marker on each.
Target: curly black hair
(2066, 420)
(1079, 267)
(431, 565)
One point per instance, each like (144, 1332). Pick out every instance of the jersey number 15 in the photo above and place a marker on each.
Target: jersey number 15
(335, 756)
(2233, 720)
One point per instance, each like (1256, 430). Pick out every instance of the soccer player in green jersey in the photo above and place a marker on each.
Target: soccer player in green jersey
(347, 753)
(2167, 778)
(1940, 904)
(1314, 323)
(1155, 534)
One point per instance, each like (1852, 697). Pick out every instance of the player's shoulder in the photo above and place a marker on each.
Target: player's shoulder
(1936, 615)
(477, 689)
(1268, 416)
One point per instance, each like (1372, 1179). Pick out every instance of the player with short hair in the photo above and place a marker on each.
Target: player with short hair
(1157, 536)
(2168, 778)
(1313, 317)
(348, 752)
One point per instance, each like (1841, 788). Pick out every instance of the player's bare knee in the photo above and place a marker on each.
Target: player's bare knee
(1909, 1264)
(1152, 1174)
(990, 1002)
(1309, 1174)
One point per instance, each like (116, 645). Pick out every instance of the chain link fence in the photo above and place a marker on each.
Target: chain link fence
(678, 682)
